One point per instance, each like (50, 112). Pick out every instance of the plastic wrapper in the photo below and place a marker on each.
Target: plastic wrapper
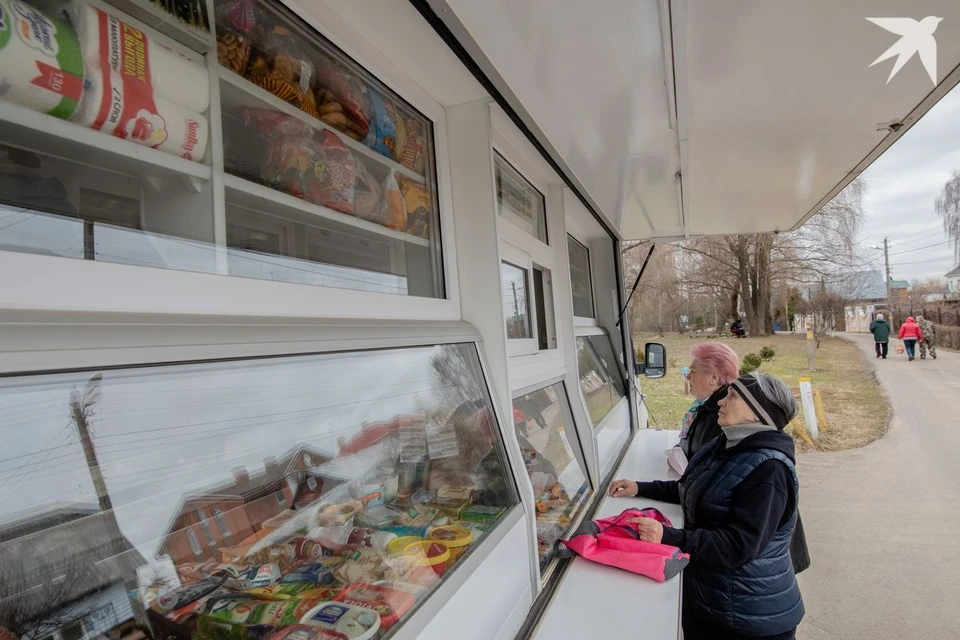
(411, 145)
(390, 603)
(291, 590)
(336, 85)
(361, 565)
(416, 203)
(174, 599)
(355, 622)
(294, 162)
(396, 214)
(342, 170)
(316, 573)
(382, 136)
(236, 23)
(368, 202)
(279, 65)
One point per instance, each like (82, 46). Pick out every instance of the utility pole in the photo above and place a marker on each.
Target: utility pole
(886, 260)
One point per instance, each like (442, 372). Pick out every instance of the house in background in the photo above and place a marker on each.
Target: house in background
(899, 293)
(60, 576)
(953, 283)
(225, 514)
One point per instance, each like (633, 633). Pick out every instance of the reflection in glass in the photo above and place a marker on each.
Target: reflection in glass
(519, 201)
(580, 280)
(556, 468)
(146, 480)
(601, 389)
(516, 301)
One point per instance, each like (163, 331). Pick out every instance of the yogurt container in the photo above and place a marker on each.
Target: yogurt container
(457, 539)
(356, 623)
(397, 545)
(428, 553)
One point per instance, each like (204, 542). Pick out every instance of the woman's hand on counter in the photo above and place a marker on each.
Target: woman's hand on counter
(649, 529)
(623, 489)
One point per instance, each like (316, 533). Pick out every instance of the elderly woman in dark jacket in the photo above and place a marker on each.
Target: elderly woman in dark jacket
(714, 366)
(739, 496)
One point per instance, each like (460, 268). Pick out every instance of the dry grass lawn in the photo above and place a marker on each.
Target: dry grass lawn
(856, 408)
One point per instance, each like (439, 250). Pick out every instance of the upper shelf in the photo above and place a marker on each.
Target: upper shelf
(153, 16)
(237, 91)
(45, 134)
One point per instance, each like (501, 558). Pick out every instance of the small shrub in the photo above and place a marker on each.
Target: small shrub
(767, 353)
(746, 369)
(641, 356)
(752, 360)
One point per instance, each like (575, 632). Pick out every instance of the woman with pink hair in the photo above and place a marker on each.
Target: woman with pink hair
(714, 366)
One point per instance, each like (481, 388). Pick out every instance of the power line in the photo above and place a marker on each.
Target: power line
(896, 253)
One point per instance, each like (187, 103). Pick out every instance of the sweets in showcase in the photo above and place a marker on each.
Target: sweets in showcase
(354, 561)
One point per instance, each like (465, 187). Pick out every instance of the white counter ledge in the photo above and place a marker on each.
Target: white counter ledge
(596, 601)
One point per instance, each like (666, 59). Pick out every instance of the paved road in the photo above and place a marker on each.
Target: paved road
(883, 522)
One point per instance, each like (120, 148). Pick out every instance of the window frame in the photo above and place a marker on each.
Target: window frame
(221, 521)
(194, 542)
(515, 228)
(591, 319)
(515, 257)
(599, 426)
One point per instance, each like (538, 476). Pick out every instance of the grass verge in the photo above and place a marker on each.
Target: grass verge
(856, 408)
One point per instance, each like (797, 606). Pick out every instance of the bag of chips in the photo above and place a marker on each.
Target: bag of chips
(382, 136)
(342, 99)
(416, 203)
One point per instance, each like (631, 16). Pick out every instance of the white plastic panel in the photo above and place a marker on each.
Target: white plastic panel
(481, 606)
(612, 435)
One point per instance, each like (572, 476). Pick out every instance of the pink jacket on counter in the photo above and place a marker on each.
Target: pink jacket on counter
(614, 542)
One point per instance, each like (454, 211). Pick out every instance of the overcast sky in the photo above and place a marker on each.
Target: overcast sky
(903, 184)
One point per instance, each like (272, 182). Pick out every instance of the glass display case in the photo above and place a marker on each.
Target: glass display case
(600, 380)
(282, 496)
(115, 152)
(554, 461)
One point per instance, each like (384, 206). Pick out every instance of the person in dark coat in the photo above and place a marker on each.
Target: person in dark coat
(880, 329)
(714, 366)
(739, 497)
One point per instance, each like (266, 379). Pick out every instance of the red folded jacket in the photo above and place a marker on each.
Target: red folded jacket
(615, 542)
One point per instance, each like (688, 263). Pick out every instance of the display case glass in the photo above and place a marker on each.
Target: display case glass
(240, 499)
(600, 382)
(581, 281)
(554, 460)
(331, 176)
(316, 143)
(519, 201)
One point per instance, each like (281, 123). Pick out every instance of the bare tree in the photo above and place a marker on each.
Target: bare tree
(947, 206)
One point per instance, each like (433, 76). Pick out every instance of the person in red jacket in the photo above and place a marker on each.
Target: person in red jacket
(910, 334)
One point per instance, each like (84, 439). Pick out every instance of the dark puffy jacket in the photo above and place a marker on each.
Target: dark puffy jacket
(761, 597)
(880, 330)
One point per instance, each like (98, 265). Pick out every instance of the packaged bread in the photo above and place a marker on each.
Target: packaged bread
(336, 85)
(416, 204)
(341, 167)
(236, 24)
(279, 65)
(294, 162)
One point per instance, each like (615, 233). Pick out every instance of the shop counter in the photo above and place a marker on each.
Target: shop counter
(595, 601)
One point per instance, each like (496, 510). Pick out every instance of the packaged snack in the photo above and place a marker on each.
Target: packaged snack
(376, 517)
(360, 565)
(250, 611)
(396, 218)
(390, 603)
(419, 516)
(336, 85)
(290, 590)
(236, 22)
(195, 572)
(455, 492)
(416, 203)
(457, 539)
(265, 575)
(315, 573)
(382, 136)
(281, 518)
(332, 514)
(412, 149)
(294, 162)
(482, 514)
(307, 632)
(368, 203)
(352, 537)
(342, 170)
(428, 553)
(182, 596)
(355, 622)
(451, 506)
(278, 64)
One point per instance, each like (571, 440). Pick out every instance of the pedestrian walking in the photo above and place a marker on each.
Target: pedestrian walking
(910, 334)
(928, 343)
(880, 329)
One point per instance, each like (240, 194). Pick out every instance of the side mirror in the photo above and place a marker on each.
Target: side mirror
(654, 360)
